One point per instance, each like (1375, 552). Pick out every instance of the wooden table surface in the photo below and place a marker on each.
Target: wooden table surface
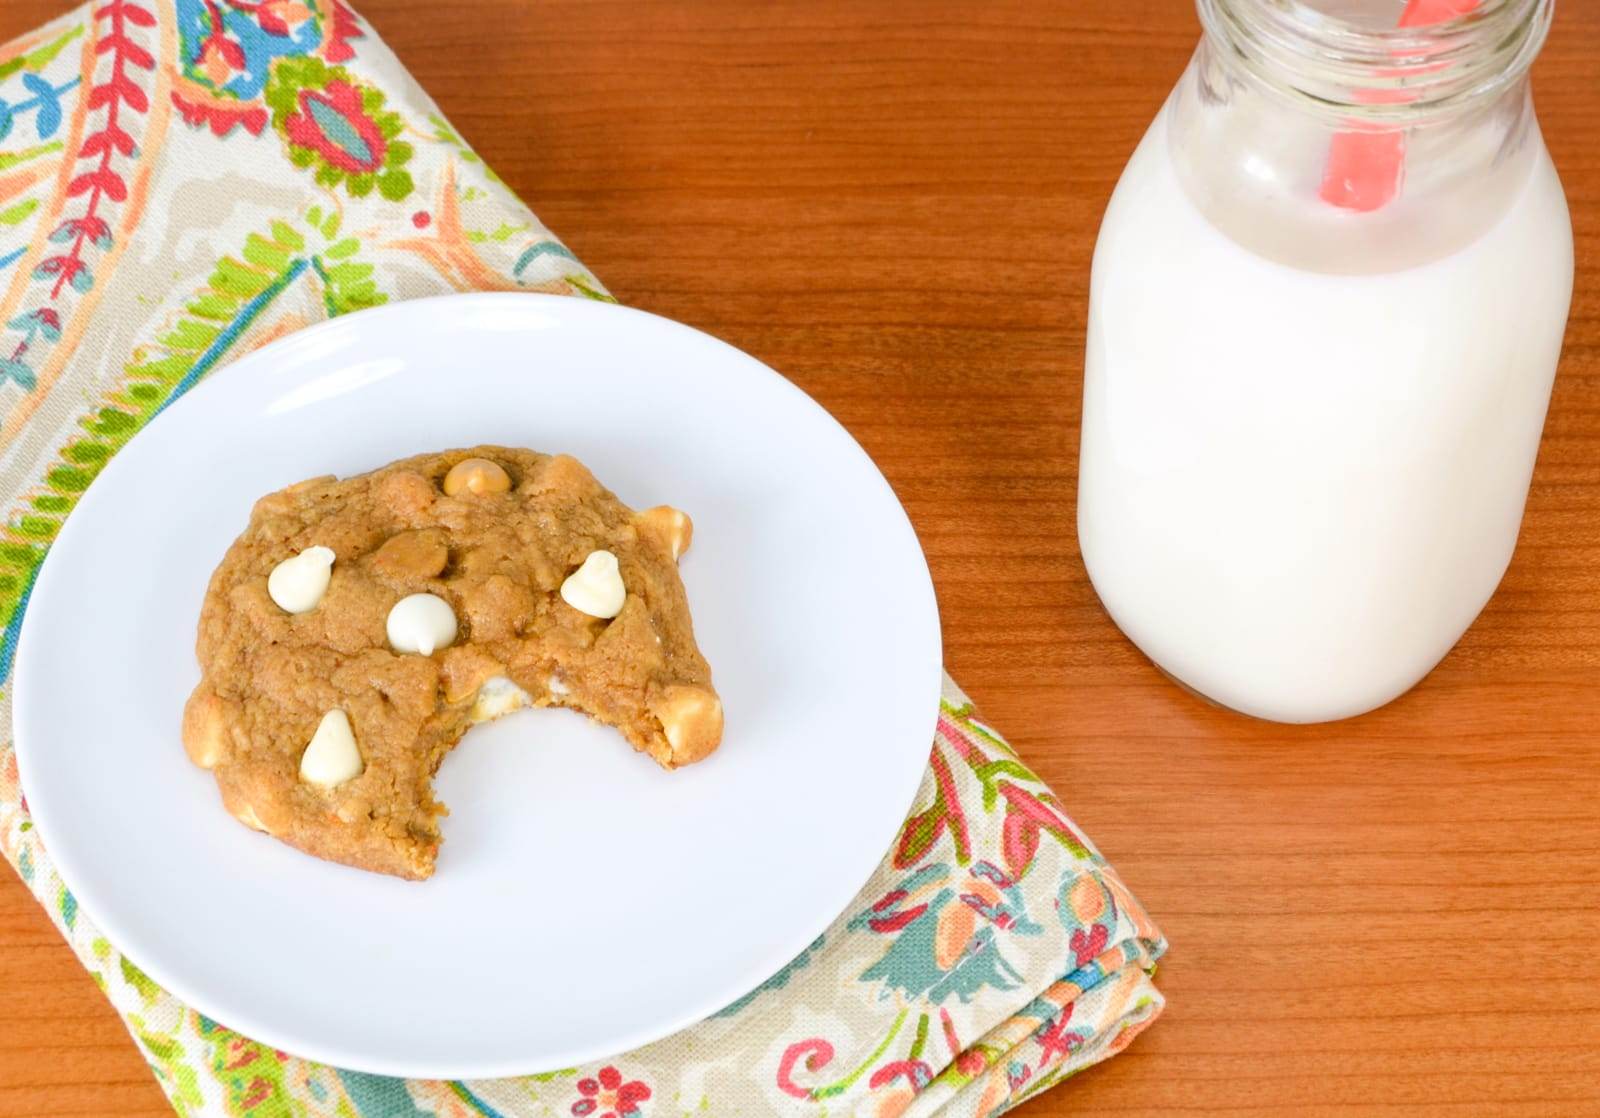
(894, 204)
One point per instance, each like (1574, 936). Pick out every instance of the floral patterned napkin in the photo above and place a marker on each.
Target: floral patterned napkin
(184, 180)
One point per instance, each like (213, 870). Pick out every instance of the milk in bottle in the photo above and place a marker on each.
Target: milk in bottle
(1326, 308)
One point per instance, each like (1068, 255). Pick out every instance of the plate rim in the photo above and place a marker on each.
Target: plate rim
(240, 1017)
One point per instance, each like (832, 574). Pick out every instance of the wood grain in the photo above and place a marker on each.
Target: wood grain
(894, 203)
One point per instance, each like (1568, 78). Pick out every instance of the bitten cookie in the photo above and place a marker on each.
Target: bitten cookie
(358, 628)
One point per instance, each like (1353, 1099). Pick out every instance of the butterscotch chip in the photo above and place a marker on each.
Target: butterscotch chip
(417, 555)
(476, 477)
(691, 720)
(497, 559)
(669, 527)
(205, 727)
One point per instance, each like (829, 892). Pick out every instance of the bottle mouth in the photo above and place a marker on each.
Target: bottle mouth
(1385, 76)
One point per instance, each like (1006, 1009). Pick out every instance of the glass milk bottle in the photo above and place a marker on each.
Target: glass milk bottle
(1325, 313)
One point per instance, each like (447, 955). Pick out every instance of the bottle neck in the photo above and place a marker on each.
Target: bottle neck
(1334, 148)
(1372, 66)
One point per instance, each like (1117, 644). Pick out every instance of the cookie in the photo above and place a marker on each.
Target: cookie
(359, 627)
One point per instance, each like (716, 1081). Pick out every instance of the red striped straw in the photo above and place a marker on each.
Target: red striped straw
(1364, 167)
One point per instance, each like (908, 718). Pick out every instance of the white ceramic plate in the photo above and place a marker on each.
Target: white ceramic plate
(585, 901)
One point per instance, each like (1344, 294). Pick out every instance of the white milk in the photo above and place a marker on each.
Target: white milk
(1298, 488)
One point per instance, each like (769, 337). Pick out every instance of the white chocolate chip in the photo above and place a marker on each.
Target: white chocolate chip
(557, 686)
(596, 587)
(498, 696)
(298, 583)
(421, 623)
(332, 757)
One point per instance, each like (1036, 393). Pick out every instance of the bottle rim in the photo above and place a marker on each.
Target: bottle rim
(1384, 77)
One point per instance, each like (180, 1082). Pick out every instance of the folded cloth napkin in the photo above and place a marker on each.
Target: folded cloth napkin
(184, 180)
